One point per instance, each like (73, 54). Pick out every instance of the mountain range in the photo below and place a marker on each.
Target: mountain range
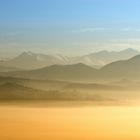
(27, 77)
(29, 60)
(101, 58)
(75, 72)
(123, 69)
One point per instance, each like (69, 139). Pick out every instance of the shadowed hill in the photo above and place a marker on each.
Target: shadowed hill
(14, 91)
(11, 91)
(20, 89)
(76, 72)
(122, 69)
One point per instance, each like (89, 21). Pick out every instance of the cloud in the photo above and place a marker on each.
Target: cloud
(129, 29)
(128, 40)
(84, 30)
(92, 29)
(103, 29)
(126, 29)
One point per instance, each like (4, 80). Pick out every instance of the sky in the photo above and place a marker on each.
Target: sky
(68, 27)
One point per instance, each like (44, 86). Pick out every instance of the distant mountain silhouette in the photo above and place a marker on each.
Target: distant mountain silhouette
(105, 57)
(74, 72)
(124, 69)
(29, 60)
(128, 69)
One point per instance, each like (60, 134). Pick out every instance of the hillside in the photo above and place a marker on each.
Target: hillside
(127, 69)
(74, 72)
(11, 91)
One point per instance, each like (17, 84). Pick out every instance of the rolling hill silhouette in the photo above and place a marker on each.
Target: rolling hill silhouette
(124, 69)
(74, 72)
(128, 69)
(12, 91)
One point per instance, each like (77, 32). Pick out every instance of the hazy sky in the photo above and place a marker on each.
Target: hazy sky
(71, 27)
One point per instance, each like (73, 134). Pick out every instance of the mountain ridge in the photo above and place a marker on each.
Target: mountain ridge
(30, 60)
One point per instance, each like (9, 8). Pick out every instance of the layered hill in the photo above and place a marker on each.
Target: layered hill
(12, 91)
(124, 69)
(29, 60)
(74, 72)
(127, 69)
